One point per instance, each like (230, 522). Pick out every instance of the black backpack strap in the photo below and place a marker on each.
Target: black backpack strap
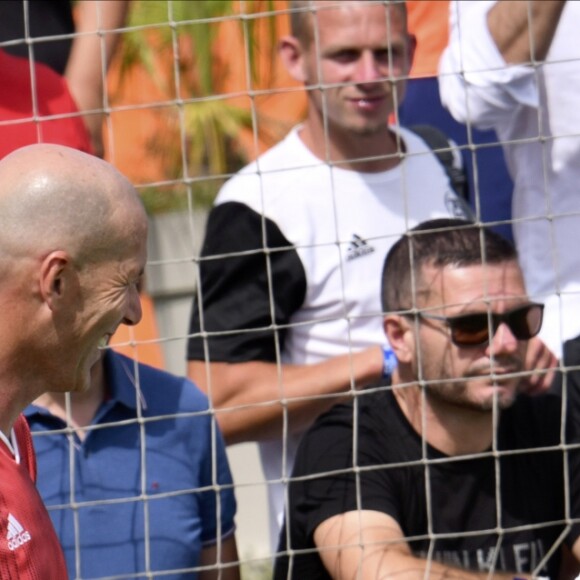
(443, 150)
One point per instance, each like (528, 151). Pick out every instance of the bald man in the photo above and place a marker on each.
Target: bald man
(72, 252)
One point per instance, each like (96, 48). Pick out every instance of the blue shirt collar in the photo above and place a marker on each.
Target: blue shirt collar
(120, 372)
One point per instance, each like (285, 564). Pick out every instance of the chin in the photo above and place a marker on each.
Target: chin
(505, 398)
(475, 398)
(369, 130)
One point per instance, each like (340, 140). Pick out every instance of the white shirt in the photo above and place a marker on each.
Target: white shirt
(534, 110)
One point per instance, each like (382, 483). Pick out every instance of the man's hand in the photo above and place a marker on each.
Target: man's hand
(540, 365)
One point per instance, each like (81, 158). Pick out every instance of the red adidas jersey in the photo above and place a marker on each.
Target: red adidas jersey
(29, 547)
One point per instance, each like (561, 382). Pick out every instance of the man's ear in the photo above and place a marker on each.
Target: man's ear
(400, 335)
(292, 55)
(53, 277)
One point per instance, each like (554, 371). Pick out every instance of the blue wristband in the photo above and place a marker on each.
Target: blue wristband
(389, 362)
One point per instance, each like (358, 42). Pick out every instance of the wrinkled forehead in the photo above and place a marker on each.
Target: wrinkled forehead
(479, 285)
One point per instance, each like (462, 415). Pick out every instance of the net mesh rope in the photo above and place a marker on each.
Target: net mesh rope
(149, 109)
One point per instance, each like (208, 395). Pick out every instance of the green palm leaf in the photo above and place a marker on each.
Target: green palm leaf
(212, 124)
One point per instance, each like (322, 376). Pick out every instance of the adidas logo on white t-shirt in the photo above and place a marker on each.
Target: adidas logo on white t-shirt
(358, 247)
(17, 535)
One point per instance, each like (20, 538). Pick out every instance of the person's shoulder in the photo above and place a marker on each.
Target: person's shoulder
(372, 409)
(371, 419)
(421, 156)
(547, 402)
(327, 444)
(533, 420)
(268, 174)
(415, 143)
(339, 414)
(50, 85)
(163, 391)
(16, 74)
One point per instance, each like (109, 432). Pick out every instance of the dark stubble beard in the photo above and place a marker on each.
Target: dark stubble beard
(454, 394)
(449, 391)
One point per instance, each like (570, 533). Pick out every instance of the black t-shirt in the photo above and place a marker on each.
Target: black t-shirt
(519, 490)
(45, 18)
(567, 383)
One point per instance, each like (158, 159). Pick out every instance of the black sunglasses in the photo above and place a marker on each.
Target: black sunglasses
(473, 329)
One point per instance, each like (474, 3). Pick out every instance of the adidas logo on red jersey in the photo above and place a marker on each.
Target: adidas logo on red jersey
(17, 535)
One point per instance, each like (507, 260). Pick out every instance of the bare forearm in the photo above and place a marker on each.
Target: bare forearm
(95, 20)
(373, 561)
(259, 400)
(523, 30)
(89, 60)
(369, 545)
(411, 568)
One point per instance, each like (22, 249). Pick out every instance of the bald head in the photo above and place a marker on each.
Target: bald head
(57, 198)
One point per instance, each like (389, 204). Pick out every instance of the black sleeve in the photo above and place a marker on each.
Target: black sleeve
(245, 259)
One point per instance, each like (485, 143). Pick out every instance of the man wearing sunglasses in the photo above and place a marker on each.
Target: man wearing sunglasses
(449, 472)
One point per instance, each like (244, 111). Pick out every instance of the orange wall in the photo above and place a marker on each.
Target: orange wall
(429, 22)
(135, 123)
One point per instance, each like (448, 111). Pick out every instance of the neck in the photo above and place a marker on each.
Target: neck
(451, 430)
(15, 396)
(368, 153)
(9, 415)
(83, 406)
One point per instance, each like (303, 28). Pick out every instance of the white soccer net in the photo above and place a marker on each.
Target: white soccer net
(195, 91)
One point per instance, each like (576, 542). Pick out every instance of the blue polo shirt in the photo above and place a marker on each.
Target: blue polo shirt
(151, 482)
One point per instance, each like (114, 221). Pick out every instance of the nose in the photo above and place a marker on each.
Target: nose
(133, 311)
(503, 341)
(368, 69)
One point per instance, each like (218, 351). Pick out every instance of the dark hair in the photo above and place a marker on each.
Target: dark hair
(439, 243)
(303, 10)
